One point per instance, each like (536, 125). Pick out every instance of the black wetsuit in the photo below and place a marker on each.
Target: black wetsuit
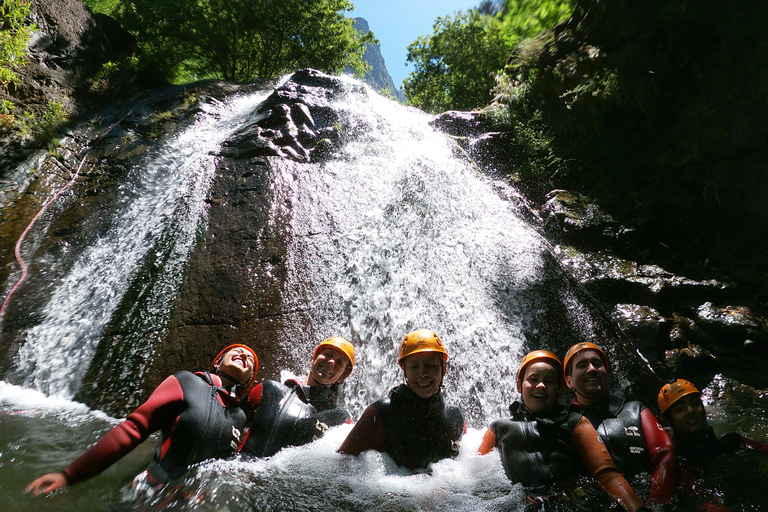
(419, 431)
(290, 415)
(536, 450)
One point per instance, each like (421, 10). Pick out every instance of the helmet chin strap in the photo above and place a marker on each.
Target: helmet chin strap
(237, 382)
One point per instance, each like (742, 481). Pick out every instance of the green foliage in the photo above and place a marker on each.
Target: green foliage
(244, 39)
(455, 67)
(14, 34)
(108, 7)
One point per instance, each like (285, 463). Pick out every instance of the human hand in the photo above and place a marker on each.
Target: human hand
(47, 483)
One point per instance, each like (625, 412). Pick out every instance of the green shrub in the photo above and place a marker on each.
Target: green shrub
(14, 35)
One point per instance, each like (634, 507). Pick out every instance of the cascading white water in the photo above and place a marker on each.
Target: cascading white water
(397, 234)
(166, 194)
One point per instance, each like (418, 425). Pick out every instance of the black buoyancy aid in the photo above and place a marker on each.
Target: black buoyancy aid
(704, 446)
(287, 416)
(204, 430)
(534, 451)
(620, 426)
(419, 431)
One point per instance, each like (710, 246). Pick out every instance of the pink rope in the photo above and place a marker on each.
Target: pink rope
(17, 251)
(51, 200)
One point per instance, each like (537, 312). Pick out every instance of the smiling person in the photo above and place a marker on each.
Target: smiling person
(630, 431)
(413, 424)
(537, 447)
(696, 444)
(296, 413)
(198, 413)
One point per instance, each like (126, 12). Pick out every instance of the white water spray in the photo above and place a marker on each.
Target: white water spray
(166, 193)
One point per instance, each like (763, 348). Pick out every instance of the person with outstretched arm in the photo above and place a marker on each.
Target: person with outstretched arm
(198, 413)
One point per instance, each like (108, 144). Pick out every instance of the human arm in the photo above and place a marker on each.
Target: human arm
(600, 466)
(757, 446)
(159, 411)
(662, 455)
(47, 483)
(367, 434)
(488, 443)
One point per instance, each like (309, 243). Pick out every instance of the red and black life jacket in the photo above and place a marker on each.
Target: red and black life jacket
(291, 416)
(205, 429)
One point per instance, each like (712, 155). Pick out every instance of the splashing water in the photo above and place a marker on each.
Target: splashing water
(397, 234)
(163, 198)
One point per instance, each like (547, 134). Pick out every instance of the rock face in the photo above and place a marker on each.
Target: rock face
(378, 76)
(684, 326)
(69, 46)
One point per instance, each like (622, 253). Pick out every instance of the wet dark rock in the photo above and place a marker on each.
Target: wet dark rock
(461, 124)
(646, 327)
(572, 217)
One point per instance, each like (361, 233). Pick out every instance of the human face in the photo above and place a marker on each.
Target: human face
(238, 363)
(329, 366)
(424, 373)
(589, 376)
(540, 387)
(687, 414)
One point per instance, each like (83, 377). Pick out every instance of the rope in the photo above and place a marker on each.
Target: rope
(17, 250)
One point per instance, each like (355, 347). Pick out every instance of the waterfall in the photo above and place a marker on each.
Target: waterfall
(398, 234)
(163, 199)
(395, 232)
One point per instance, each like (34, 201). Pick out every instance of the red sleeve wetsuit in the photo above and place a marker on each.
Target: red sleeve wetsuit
(695, 451)
(176, 407)
(635, 440)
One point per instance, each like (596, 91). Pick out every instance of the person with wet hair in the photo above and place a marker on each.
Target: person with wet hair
(412, 424)
(695, 441)
(198, 413)
(296, 413)
(540, 451)
(630, 431)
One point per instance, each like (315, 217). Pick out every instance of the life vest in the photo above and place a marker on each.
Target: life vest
(620, 426)
(704, 446)
(287, 416)
(419, 431)
(527, 444)
(205, 429)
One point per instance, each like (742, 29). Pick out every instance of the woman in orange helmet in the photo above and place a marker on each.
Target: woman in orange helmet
(413, 424)
(198, 413)
(296, 413)
(696, 444)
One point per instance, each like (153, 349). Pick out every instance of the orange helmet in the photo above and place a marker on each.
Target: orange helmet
(344, 346)
(220, 356)
(422, 340)
(673, 391)
(575, 349)
(538, 356)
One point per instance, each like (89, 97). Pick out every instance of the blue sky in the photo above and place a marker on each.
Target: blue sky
(397, 23)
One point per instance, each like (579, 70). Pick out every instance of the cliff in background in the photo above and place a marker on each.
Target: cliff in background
(378, 76)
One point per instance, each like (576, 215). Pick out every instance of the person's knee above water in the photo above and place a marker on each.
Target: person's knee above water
(632, 435)
(199, 415)
(296, 413)
(535, 444)
(413, 424)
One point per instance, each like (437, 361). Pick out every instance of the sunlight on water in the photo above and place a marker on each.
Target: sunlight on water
(165, 195)
(402, 235)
